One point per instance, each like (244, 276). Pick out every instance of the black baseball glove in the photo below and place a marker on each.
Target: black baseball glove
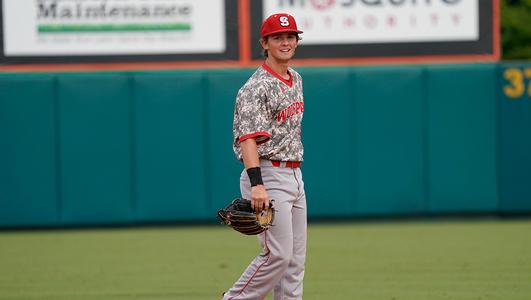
(239, 215)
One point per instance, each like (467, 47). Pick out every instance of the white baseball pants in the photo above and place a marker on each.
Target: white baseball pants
(280, 265)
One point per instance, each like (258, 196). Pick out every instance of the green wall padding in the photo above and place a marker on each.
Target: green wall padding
(169, 146)
(327, 137)
(223, 168)
(389, 148)
(28, 190)
(462, 138)
(95, 135)
(156, 146)
(515, 138)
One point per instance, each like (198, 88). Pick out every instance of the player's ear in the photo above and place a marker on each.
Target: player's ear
(263, 42)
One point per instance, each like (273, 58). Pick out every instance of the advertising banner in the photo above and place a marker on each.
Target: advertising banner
(221, 33)
(113, 27)
(345, 22)
(370, 28)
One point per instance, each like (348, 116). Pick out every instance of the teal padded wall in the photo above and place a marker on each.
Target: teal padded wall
(389, 148)
(137, 147)
(169, 146)
(95, 138)
(28, 189)
(223, 168)
(462, 140)
(515, 137)
(327, 138)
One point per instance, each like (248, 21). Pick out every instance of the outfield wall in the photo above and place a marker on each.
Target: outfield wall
(136, 147)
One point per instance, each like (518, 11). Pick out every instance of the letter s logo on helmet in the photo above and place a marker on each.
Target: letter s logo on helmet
(284, 21)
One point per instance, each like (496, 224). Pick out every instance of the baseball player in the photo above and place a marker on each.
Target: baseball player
(267, 139)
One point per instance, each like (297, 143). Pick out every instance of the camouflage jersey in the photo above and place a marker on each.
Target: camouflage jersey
(269, 109)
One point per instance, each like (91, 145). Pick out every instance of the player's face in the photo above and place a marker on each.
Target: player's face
(281, 46)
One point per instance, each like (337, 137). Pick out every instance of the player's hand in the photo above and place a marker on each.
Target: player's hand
(259, 198)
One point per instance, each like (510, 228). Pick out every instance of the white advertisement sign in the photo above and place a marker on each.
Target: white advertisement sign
(113, 27)
(381, 21)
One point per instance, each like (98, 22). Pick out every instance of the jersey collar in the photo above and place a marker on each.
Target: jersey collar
(288, 82)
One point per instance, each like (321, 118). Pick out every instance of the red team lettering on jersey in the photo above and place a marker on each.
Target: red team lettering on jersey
(294, 109)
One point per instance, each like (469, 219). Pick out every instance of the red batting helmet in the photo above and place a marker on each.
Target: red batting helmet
(279, 23)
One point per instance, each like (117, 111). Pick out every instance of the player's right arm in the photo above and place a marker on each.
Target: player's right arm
(259, 196)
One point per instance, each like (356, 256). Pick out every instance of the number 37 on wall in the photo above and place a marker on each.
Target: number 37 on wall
(515, 86)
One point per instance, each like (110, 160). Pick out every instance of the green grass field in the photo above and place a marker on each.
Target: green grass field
(366, 261)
